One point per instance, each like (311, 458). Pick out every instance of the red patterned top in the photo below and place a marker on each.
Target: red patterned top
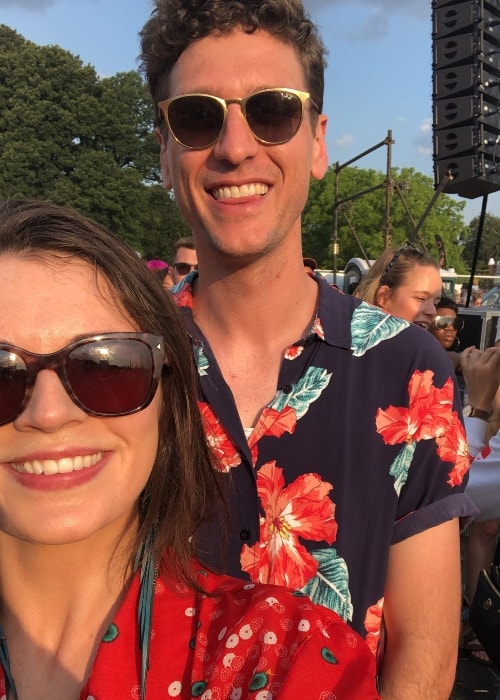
(248, 641)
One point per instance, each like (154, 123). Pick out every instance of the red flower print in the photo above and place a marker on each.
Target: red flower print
(452, 447)
(318, 329)
(293, 352)
(275, 423)
(373, 624)
(184, 297)
(485, 451)
(301, 509)
(227, 456)
(428, 415)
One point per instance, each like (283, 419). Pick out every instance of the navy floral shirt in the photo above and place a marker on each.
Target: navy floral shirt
(362, 447)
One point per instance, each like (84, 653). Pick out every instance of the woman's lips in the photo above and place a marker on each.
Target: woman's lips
(65, 465)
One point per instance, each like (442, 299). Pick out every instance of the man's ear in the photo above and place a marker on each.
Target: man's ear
(165, 171)
(319, 161)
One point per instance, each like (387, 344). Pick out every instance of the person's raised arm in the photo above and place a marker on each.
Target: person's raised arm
(481, 372)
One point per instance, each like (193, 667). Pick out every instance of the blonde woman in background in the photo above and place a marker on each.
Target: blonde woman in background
(406, 283)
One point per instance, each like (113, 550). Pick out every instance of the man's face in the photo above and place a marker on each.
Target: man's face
(241, 198)
(184, 262)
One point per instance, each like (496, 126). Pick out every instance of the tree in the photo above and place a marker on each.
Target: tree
(489, 244)
(361, 222)
(68, 136)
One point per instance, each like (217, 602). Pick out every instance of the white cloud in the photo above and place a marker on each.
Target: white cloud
(344, 140)
(423, 140)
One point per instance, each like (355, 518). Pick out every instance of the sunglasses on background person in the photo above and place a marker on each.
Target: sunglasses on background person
(441, 323)
(273, 115)
(183, 268)
(110, 374)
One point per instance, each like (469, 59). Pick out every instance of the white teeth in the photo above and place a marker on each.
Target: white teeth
(65, 465)
(235, 192)
(59, 466)
(49, 466)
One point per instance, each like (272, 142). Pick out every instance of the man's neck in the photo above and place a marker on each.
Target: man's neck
(249, 323)
(256, 303)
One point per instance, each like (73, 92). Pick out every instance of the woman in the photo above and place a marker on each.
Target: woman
(105, 477)
(445, 328)
(406, 283)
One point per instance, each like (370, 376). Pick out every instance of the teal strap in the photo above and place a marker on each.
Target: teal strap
(148, 573)
(10, 686)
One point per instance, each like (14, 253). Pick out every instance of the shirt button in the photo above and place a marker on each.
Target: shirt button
(245, 534)
(287, 389)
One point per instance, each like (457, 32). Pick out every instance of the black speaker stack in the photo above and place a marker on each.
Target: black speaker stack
(466, 95)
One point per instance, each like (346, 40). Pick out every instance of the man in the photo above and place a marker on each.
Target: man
(337, 424)
(185, 260)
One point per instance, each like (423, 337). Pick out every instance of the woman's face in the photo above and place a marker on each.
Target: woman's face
(46, 306)
(415, 300)
(447, 336)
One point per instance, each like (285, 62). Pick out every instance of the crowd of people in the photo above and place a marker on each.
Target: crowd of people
(254, 476)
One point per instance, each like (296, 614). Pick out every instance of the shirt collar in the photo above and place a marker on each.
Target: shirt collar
(332, 324)
(334, 315)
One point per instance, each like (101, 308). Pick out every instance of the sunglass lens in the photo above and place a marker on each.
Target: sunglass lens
(13, 376)
(111, 377)
(195, 120)
(274, 116)
(444, 322)
(182, 268)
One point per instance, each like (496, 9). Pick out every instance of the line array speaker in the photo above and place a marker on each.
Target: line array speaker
(466, 95)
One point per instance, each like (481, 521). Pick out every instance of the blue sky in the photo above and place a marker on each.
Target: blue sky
(379, 76)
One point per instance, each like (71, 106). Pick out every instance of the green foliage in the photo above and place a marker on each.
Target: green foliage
(68, 136)
(362, 223)
(489, 243)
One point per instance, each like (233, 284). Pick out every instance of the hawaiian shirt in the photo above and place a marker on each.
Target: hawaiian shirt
(244, 642)
(361, 447)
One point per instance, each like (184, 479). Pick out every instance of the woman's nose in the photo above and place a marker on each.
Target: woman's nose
(49, 405)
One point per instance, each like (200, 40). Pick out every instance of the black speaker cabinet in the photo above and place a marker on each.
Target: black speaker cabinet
(466, 79)
(480, 327)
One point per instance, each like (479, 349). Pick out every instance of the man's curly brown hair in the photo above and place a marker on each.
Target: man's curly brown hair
(175, 24)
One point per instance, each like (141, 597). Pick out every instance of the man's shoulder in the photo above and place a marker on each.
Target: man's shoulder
(248, 595)
(369, 331)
